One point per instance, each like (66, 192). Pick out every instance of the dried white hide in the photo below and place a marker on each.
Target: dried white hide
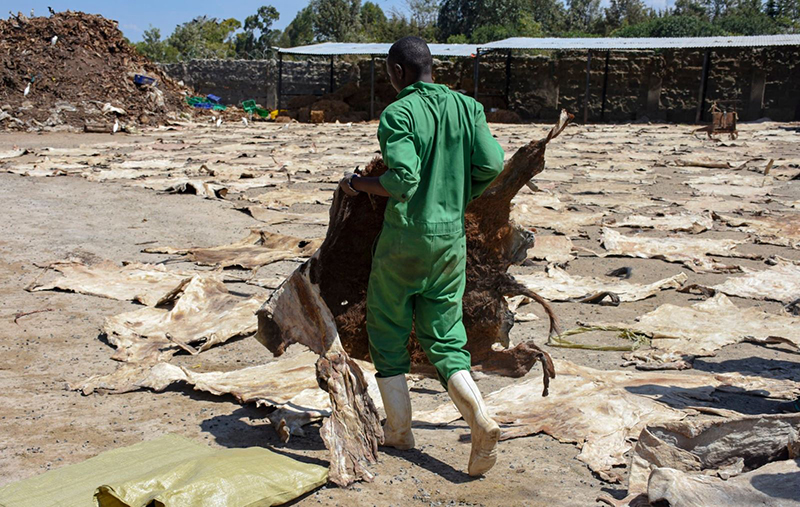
(569, 223)
(205, 313)
(557, 285)
(201, 188)
(258, 249)
(149, 284)
(734, 185)
(690, 251)
(739, 461)
(285, 197)
(780, 282)
(717, 205)
(558, 249)
(782, 230)
(684, 222)
(274, 217)
(704, 328)
(289, 384)
(601, 411)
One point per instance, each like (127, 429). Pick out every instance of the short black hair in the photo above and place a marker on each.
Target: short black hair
(413, 54)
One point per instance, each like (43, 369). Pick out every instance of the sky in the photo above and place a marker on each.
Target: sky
(137, 16)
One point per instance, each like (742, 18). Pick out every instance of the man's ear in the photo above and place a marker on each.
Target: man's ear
(399, 72)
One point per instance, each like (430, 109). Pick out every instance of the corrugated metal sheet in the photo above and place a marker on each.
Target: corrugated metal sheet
(347, 48)
(643, 43)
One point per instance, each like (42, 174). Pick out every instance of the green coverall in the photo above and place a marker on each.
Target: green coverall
(440, 156)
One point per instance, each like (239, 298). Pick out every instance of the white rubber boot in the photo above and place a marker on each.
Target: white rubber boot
(397, 403)
(485, 432)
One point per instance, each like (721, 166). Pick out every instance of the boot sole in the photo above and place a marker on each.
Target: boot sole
(482, 465)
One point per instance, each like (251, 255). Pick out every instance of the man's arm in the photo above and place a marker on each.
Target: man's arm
(487, 156)
(399, 152)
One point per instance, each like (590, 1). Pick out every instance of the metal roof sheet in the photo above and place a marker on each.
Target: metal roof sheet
(355, 48)
(642, 43)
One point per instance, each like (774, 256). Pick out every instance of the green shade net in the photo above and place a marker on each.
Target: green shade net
(170, 471)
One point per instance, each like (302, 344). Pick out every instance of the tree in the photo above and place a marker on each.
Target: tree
(583, 15)
(154, 48)
(204, 37)
(749, 23)
(671, 26)
(373, 22)
(626, 12)
(550, 14)
(465, 16)
(424, 13)
(250, 44)
(337, 20)
(300, 31)
(691, 8)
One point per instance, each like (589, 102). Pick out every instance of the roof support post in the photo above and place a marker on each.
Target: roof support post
(331, 87)
(280, 80)
(701, 95)
(586, 95)
(475, 74)
(758, 83)
(605, 88)
(372, 88)
(508, 79)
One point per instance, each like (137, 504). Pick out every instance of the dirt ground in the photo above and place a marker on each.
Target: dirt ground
(45, 425)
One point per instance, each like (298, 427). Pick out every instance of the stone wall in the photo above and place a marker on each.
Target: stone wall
(624, 86)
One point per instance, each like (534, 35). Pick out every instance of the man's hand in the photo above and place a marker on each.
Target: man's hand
(346, 184)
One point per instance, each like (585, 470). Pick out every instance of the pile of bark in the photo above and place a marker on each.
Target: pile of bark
(348, 103)
(78, 69)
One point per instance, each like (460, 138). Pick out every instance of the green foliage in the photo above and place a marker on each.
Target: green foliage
(754, 23)
(584, 15)
(626, 12)
(373, 22)
(300, 31)
(154, 48)
(671, 26)
(258, 36)
(204, 37)
(550, 14)
(337, 20)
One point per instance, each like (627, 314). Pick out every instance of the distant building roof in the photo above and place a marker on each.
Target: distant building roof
(355, 48)
(642, 42)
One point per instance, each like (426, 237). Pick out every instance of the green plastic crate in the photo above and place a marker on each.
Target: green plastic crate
(261, 112)
(219, 107)
(249, 105)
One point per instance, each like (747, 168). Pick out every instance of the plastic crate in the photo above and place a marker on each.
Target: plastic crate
(219, 107)
(143, 80)
(203, 105)
(261, 112)
(213, 98)
(249, 105)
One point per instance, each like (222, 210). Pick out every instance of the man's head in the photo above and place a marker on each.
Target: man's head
(409, 61)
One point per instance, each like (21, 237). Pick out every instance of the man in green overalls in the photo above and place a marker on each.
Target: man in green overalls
(440, 155)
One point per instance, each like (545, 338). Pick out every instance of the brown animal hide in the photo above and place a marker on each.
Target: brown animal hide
(340, 271)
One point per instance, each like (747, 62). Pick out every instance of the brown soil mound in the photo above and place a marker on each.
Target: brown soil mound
(503, 116)
(71, 78)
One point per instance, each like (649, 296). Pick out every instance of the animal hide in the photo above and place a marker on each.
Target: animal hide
(258, 249)
(205, 313)
(684, 222)
(704, 328)
(716, 462)
(568, 223)
(600, 410)
(691, 252)
(783, 230)
(558, 285)
(287, 386)
(781, 282)
(148, 284)
(558, 249)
